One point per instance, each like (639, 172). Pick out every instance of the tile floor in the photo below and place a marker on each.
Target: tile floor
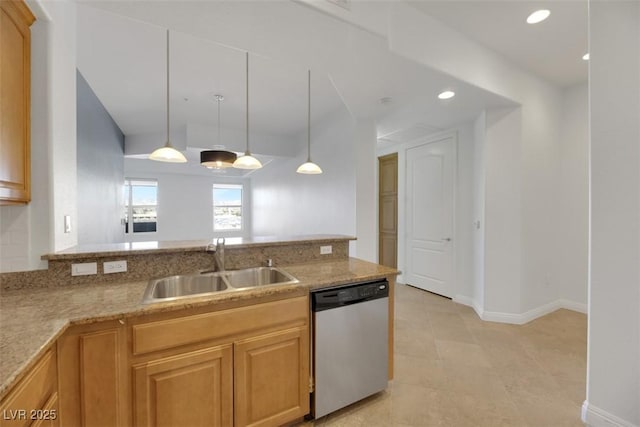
(453, 369)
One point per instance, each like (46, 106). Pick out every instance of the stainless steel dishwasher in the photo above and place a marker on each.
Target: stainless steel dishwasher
(351, 330)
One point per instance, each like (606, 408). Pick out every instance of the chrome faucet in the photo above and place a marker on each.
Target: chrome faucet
(218, 256)
(217, 249)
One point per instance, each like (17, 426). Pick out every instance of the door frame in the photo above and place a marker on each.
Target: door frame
(401, 149)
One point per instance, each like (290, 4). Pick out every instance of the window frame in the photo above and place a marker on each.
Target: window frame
(241, 205)
(129, 206)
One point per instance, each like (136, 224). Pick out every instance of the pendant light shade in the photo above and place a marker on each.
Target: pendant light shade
(217, 159)
(247, 161)
(167, 153)
(309, 167)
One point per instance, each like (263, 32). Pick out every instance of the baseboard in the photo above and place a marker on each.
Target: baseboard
(520, 318)
(470, 302)
(593, 416)
(573, 306)
(463, 299)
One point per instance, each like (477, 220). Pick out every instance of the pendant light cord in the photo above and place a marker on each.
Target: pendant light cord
(218, 98)
(309, 118)
(168, 125)
(247, 103)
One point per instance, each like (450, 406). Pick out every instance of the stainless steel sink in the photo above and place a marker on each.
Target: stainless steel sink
(259, 276)
(184, 286)
(192, 285)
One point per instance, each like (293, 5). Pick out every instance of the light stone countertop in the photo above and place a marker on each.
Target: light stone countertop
(139, 248)
(32, 319)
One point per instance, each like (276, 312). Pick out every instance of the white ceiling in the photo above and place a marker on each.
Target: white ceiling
(124, 61)
(552, 49)
(121, 53)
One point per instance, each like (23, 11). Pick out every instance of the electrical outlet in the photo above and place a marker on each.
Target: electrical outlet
(84, 269)
(114, 267)
(326, 250)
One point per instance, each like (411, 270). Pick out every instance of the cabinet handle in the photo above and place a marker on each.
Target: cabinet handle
(121, 321)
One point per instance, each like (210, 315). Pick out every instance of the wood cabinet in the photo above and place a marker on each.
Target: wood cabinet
(15, 98)
(272, 378)
(191, 389)
(237, 366)
(34, 400)
(94, 385)
(244, 366)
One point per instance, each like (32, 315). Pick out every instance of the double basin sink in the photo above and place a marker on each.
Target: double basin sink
(190, 285)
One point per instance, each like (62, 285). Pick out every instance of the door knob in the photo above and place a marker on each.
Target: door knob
(447, 239)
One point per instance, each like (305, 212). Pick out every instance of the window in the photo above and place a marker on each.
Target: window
(227, 207)
(140, 205)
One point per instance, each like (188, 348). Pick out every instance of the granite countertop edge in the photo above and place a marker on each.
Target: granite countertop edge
(104, 251)
(323, 275)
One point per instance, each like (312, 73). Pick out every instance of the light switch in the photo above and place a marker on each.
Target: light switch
(67, 223)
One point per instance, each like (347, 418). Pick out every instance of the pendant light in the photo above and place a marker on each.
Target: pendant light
(217, 159)
(167, 153)
(309, 167)
(247, 161)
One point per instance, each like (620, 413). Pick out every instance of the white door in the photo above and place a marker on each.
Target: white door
(429, 222)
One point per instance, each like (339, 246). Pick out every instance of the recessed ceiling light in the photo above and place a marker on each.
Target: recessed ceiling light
(538, 16)
(447, 94)
(586, 56)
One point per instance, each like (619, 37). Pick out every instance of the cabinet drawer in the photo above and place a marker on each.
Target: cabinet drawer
(165, 334)
(31, 394)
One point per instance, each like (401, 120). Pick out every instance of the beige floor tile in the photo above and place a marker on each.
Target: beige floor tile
(409, 405)
(418, 371)
(547, 410)
(415, 342)
(449, 326)
(453, 369)
(573, 390)
(474, 380)
(481, 411)
(462, 353)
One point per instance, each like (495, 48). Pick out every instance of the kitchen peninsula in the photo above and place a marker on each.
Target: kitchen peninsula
(93, 334)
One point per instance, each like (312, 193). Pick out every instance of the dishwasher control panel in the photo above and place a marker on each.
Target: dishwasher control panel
(326, 299)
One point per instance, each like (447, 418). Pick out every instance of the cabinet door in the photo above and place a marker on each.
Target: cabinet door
(29, 399)
(190, 389)
(93, 384)
(49, 415)
(15, 81)
(272, 378)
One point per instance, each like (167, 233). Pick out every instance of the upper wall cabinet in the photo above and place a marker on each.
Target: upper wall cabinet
(15, 106)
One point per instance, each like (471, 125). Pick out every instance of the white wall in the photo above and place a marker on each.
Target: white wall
(366, 247)
(286, 203)
(14, 238)
(464, 275)
(503, 212)
(185, 206)
(613, 363)
(27, 232)
(522, 163)
(62, 113)
(573, 198)
(478, 181)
